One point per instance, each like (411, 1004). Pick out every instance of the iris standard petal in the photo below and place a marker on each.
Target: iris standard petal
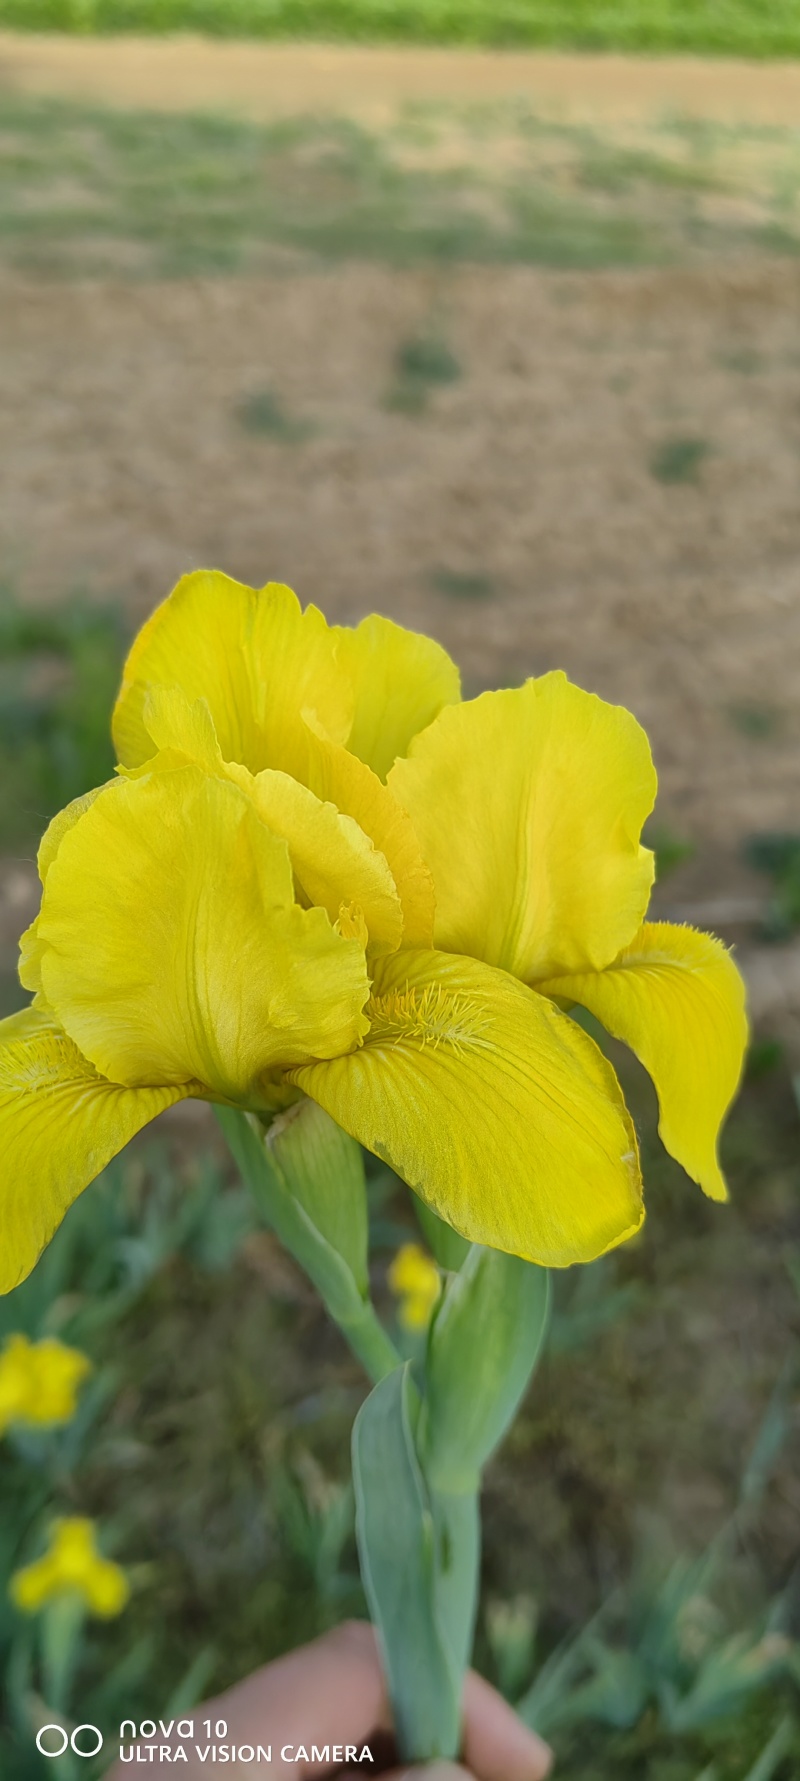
(334, 862)
(60, 1123)
(400, 681)
(172, 949)
(338, 777)
(528, 805)
(497, 1109)
(676, 998)
(60, 826)
(30, 947)
(256, 658)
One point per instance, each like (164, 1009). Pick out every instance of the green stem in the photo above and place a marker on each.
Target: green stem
(60, 1632)
(367, 1338)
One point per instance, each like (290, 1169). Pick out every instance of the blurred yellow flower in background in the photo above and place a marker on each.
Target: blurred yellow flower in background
(72, 1565)
(39, 1381)
(320, 871)
(414, 1279)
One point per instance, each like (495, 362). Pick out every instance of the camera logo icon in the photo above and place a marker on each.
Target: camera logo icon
(53, 1740)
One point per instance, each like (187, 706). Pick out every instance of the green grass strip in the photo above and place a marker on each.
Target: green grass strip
(724, 27)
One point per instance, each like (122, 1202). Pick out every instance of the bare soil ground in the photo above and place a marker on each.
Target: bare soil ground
(517, 515)
(261, 80)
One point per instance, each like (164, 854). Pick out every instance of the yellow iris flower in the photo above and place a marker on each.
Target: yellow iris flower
(414, 1279)
(39, 1381)
(72, 1565)
(319, 871)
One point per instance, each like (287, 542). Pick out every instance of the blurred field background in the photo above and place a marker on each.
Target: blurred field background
(508, 349)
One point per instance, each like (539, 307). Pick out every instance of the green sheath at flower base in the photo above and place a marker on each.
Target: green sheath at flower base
(324, 1171)
(332, 1250)
(483, 1346)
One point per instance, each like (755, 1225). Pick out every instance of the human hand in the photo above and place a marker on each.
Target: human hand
(333, 1693)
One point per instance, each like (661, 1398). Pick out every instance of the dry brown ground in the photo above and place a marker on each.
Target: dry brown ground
(262, 79)
(126, 464)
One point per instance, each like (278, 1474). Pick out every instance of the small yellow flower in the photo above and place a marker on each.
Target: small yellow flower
(72, 1564)
(39, 1381)
(414, 1279)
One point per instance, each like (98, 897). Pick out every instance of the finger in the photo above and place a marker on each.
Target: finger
(331, 1692)
(497, 1746)
(431, 1771)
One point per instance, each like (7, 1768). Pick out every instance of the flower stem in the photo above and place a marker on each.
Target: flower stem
(370, 1343)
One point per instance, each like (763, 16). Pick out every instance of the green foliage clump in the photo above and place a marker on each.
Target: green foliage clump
(740, 27)
(59, 670)
(679, 459)
(778, 856)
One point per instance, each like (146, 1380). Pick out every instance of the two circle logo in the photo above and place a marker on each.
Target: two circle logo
(47, 1735)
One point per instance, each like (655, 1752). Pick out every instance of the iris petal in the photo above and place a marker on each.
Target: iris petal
(400, 682)
(334, 861)
(676, 998)
(60, 1123)
(497, 1109)
(172, 949)
(256, 658)
(529, 806)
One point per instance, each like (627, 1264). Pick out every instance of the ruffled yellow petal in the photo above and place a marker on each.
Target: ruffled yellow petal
(334, 862)
(257, 659)
(495, 1108)
(30, 949)
(528, 805)
(60, 826)
(400, 683)
(60, 1123)
(338, 777)
(676, 998)
(172, 949)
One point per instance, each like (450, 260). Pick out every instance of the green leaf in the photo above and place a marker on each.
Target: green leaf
(396, 1543)
(779, 1746)
(737, 1669)
(484, 1343)
(457, 1554)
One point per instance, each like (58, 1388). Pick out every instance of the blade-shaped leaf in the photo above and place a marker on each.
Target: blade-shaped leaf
(396, 1543)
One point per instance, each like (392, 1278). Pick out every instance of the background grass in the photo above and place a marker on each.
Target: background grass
(141, 194)
(730, 27)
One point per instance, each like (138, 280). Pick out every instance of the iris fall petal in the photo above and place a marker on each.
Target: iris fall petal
(676, 998)
(497, 1109)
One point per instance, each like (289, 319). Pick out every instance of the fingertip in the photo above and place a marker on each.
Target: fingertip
(432, 1771)
(497, 1746)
